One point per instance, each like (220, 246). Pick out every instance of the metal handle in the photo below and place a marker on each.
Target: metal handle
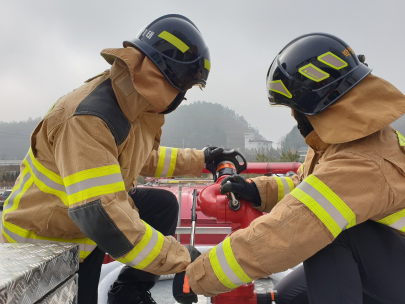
(193, 218)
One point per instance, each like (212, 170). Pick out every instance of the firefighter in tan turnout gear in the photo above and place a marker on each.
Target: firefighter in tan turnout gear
(87, 152)
(343, 215)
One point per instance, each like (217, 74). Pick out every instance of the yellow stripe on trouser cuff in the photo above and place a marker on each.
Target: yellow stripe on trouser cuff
(225, 266)
(146, 250)
(93, 182)
(325, 204)
(15, 234)
(167, 162)
(284, 186)
(395, 220)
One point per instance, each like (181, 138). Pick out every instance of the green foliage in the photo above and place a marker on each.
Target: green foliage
(289, 157)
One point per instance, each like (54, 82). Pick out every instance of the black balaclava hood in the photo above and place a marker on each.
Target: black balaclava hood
(304, 125)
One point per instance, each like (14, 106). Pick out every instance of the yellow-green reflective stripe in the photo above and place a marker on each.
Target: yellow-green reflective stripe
(13, 200)
(332, 60)
(325, 204)
(15, 234)
(331, 196)
(301, 168)
(324, 216)
(93, 182)
(161, 161)
(46, 180)
(174, 41)
(395, 220)
(280, 188)
(312, 72)
(167, 161)
(225, 266)
(401, 139)
(91, 173)
(207, 64)
(279, 87)
(146, 250)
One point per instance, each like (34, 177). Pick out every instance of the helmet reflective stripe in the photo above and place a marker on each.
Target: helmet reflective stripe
(285, 186)
(279, 87)
(207, 64)
(225, 266)
(174, 40)
(332, 60)
(312, 72)
(325, 204)
(167, 161)
(146, 250)
(395, 220)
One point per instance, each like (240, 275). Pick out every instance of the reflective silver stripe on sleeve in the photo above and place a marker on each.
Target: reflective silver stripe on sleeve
(146, 250)
(13, 195)
(399, 225)
(94, 182)
(286, 186)
(20, 239)
(324, 203)
(166, 165)
(225, 266)
(43, 178)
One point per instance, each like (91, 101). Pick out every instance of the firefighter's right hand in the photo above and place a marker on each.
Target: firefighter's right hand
(241, 187)
(182, 291)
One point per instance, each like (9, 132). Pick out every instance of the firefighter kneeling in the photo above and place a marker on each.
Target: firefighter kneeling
(343, 214)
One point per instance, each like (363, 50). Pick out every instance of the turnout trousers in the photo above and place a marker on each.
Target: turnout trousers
(363, 265)
(159, 208)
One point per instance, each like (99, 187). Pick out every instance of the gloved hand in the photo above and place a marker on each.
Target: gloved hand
(241, 187)
(182, 291)
(211, 153)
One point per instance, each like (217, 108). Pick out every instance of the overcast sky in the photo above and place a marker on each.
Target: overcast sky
(48, 48)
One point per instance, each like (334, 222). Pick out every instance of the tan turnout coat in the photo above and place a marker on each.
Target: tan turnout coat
(354, 172)
(74, 181)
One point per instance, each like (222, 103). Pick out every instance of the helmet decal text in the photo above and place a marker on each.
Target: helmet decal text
(312, 72)
(174, 41)
(279, 87)
(332, 60)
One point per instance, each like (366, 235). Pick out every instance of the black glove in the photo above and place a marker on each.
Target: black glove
(211, 153)
(242, 188)
(182, 291)
(194, 253)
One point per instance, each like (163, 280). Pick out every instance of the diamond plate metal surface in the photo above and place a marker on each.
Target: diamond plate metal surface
(64, 294)
(29, 271)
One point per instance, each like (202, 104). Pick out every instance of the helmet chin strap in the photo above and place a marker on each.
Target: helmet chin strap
(304, 125)
(175, 103)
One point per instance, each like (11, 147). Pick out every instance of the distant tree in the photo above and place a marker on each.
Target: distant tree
(292, 141)
(262, 158)
(289, 156)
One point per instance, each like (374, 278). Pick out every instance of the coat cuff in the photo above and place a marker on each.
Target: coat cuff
(267, 188)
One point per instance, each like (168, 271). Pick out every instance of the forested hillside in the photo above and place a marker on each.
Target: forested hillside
(201, 123)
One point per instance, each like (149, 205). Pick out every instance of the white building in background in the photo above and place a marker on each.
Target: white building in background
(259, 145)
(303, 153)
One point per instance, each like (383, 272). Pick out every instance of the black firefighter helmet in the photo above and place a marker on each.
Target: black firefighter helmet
(177, 48)
(312, 72)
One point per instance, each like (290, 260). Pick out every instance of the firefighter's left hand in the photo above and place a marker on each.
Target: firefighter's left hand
(182, 291)
(211, 153)
(241, 187)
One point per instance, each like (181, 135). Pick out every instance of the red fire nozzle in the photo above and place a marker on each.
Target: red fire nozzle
(213, 204)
